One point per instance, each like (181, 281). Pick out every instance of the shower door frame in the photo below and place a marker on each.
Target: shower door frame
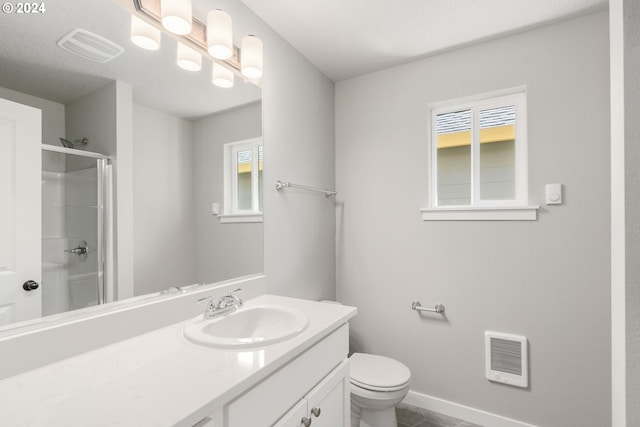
(104, 197)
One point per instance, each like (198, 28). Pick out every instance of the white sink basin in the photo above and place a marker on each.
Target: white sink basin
(248, 327)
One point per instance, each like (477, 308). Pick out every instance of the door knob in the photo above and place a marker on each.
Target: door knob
(306, 421)
(30, 285)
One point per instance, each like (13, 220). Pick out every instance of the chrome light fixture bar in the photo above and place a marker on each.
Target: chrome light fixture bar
(197, 37)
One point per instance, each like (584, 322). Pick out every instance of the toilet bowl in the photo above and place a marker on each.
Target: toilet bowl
(378, 384)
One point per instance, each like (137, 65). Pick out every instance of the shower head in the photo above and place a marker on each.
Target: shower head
(71, 144)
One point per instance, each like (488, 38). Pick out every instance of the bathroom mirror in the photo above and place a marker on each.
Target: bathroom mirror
(180, 122)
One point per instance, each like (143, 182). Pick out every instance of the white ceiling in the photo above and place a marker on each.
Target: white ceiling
(346, 38)
(32, 63)
(342, 38)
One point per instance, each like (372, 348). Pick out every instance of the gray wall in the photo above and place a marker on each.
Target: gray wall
(547, 279)
(163, 214)
(94, 117)
(223, 251)
(298, 131)
(632, 208)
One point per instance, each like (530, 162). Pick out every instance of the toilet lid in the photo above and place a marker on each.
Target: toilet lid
(375, 372)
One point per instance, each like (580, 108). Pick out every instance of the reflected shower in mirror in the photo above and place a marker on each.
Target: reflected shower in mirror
(75, 197)
(164, 130)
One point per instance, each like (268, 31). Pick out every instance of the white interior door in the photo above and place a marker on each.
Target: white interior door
(20, 212)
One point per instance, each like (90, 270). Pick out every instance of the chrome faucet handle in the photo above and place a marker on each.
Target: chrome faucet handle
(211, 307)
(229, 300)
(235, 297)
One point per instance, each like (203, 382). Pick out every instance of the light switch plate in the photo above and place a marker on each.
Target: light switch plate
(553, 194)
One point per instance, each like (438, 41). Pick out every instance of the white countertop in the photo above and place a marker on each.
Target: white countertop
(155, 379)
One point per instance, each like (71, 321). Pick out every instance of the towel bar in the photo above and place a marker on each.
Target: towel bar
(286, 184)
(439, 308)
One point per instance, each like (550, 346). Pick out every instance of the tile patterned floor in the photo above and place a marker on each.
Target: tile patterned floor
(412, 416)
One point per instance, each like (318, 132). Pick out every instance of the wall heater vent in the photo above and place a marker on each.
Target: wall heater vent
(90, 46)
(506, 358)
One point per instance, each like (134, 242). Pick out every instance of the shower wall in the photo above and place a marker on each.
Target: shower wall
(81, 225)
(69, 216)
(55, 295)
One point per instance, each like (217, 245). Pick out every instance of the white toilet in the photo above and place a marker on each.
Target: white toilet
(378, 384)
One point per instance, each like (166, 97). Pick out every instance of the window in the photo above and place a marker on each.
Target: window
(479, 159)
(243, 181)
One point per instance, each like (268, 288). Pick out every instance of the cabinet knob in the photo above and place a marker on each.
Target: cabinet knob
(306, 421)
(315, 412)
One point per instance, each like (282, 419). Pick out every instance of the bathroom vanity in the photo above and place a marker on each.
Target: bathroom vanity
(160, 379)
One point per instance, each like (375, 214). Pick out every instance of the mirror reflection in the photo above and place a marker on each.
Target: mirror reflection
(148, 212)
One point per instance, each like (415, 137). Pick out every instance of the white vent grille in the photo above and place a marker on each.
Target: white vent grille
(506, 358)
(90, 46)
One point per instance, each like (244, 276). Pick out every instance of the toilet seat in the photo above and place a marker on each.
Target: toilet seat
(378, 373)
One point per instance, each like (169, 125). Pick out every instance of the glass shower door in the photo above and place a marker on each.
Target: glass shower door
(73, 226)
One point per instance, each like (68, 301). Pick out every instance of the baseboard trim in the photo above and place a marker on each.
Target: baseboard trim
(463, 412)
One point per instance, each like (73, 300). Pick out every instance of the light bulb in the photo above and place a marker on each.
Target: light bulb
(219, 34)
(251, 57)
(144, 34)
(188, 58)
(221, 76)
(176, 15)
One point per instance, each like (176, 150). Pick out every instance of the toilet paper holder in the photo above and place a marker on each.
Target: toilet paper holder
(439, 308)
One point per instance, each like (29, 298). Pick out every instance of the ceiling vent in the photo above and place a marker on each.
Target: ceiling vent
(90, 46)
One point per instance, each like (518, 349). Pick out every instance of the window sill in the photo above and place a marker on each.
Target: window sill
(466, 213)
(239, 218)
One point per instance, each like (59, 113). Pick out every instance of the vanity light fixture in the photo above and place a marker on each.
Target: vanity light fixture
(188, 59)
(219, 34)
(144, 34)
(251, 57)
(221, 76)
(213, 41)
(177, 15)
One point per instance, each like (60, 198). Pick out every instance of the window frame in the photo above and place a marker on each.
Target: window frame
(231, 213)
(516, 209)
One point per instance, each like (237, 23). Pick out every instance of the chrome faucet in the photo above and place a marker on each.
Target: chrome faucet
(227, 304)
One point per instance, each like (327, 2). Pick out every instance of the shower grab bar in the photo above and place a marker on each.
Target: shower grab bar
(415, 305)
(286, 184)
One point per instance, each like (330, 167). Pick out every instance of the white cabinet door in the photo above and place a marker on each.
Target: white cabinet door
(20, 211)
(327, 405)
(294, 417)
(329, 402)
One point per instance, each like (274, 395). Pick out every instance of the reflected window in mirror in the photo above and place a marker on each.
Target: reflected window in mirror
(243, 165)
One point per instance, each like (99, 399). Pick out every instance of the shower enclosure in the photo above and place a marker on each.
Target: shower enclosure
(76, 229)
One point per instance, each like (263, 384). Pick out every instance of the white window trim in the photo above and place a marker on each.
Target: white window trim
(507, 210)
(239, 218)
(480, 213)
(231, 214)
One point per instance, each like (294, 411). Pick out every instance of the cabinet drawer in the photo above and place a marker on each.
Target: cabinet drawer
(265, 403)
